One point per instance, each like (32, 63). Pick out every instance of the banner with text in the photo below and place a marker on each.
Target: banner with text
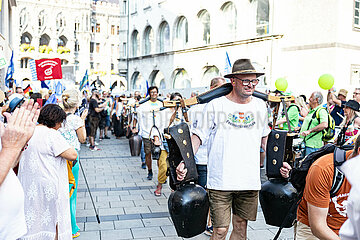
(48, 69)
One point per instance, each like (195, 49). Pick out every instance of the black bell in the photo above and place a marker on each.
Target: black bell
(188, 208)
(277, 196)
(135, 145)
(155, 152)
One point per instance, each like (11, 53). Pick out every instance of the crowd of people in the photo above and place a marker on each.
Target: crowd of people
(39, 157)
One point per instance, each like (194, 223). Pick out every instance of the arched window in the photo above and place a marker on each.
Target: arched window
(23, 19)
(181, 33)
(77, 24)
(181, 79)
(60, 22)
(135, 39)
(44, 40)
(41, 19)
(262, 17)
(164, 37)
(148, 41)
(230, 20)
(24, 62)
(26, 38)
(62, 41)
(64, 62)
(158, 79)
(209, 73)
(137, 79)
(204, 18)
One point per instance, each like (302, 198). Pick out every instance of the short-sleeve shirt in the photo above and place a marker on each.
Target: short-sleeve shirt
(68, 130)
(92, 105)
(293, 114)
(145, 117)
(233, 133)
(336, 111)
(317, 192)
(316, 140)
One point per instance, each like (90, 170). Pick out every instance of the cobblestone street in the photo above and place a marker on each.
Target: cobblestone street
(125, 201)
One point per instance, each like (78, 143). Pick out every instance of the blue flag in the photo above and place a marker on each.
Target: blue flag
(43, 85)
(59, 88)
(10, 70)
(85, 81)
(227, 69)
(51, 100)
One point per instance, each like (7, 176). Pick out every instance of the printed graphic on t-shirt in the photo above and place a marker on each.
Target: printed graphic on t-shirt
(340, 202)
(241, 119)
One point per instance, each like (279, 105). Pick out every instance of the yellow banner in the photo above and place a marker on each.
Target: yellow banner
(0, 4)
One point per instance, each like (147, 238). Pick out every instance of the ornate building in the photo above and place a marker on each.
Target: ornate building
(79, 32)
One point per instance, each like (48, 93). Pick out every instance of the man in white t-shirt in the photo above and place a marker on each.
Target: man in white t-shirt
(233, 127)
(20, 128)
(147, 119)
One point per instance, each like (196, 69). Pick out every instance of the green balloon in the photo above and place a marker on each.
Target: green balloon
(281, 84)
(326, 81)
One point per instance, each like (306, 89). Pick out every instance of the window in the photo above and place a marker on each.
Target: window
(262, 17)
(62, 41)
(112, 29)
(158, 80)
(356, 14)
(64, 62)
(355, 75)
(41, 19)
(112, 66)
(77, 47)
(77, 25)
(124, 49)
(117, 30)
(24, 62)
(181, 33)
(204, 18)
(23, 18)
(44, 40)
(98, 27)
(209, 73)
(124, 7)
(91, 47)
(26, 38)
(91, 65)
(137, 79)
(135, 39)
(60, 22)
(164, 37)
(97, 47)
(230, 20)
(181, 79)
(148, 41)
(92, 29)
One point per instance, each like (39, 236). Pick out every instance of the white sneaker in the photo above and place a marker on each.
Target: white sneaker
(88, 144)
(96, 143)
(94, 149)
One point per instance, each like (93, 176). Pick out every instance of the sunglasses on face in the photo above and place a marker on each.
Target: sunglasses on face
(356, 93)
(246, 82)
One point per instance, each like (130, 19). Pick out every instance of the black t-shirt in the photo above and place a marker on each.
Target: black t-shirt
(336, 111)
(92, 105)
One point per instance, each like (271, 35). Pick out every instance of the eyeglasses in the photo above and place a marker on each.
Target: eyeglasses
(356, 93)
(246, 82)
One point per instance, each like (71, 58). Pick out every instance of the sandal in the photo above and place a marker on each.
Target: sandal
(157, 192)
(76, 235)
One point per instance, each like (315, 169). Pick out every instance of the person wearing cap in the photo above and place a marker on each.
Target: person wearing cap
(351, 123)
(233, 127)
(336, 103)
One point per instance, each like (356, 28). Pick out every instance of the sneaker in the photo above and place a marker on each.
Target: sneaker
(106, 137)
(96, 143)
(143, 165)
(150, 176)
(76, 235)
(209, 230)
(88, 144)
(94, 149)
(101, 138)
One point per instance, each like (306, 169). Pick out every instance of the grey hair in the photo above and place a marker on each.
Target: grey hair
(319, 97)
(216, 81)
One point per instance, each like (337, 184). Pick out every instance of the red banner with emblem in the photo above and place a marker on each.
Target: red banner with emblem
(48, 69)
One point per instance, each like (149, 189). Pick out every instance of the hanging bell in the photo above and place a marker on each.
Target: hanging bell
(188, 208)
(135, 145)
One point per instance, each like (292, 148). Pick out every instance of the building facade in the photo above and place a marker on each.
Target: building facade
(71, 30)
(183, 44)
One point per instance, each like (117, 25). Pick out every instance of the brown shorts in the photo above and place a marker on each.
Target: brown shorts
(93, 124)
(147, 145)
(243, 204)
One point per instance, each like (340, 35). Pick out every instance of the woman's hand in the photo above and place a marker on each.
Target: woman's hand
(84, 114)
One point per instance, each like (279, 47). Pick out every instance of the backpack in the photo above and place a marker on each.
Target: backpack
(329, 132)
(301, 167)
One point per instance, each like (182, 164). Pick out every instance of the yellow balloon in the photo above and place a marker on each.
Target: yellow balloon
(326, 81)
(281, 84)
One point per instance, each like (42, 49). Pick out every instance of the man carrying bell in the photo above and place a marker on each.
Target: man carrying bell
(233, 127)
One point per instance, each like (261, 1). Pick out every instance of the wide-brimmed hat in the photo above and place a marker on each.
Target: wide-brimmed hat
(243, 66)
(354, 105)
(343, 92)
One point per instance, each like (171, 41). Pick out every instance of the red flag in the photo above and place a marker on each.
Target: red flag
(48, 69)
(27, 89)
